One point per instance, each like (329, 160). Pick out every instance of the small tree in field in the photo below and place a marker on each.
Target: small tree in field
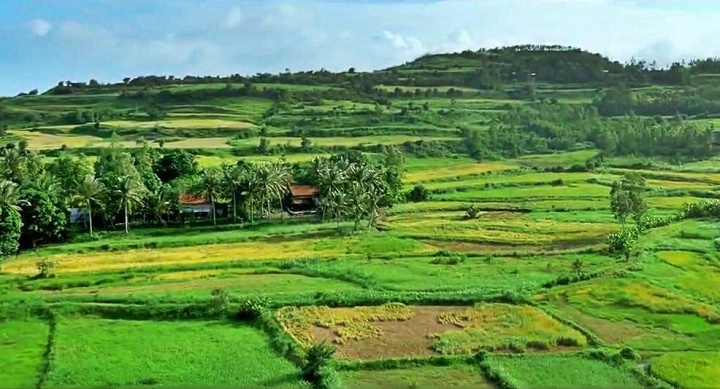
(317, 357)
(45, 268)
(472, 212)
(626, 199)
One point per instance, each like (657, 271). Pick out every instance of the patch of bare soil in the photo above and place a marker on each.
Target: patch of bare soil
(399, 338)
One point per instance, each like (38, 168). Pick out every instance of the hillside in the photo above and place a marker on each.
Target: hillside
(531, 216)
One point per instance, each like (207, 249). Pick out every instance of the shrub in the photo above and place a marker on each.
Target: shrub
(629, 353)
(717, 244)
(45, 268)
(252, 308)
(317, 357)
(218, 301)
(329, 378)
(417, 194)
(623, 242)
(472, 212)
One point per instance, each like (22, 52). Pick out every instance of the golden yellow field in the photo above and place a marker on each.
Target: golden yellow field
(458, 170)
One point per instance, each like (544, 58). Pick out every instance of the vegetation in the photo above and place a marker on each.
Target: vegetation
(533, 200)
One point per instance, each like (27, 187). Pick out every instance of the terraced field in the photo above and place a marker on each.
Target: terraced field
(499, 275)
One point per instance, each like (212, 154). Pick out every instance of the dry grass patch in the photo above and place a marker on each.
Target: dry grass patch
(458, 170)
(395, 330)
(102, 261)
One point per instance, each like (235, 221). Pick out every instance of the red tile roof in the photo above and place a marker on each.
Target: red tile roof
(302, 190)
(189, 199)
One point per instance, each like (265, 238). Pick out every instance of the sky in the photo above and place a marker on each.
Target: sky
(46, 41)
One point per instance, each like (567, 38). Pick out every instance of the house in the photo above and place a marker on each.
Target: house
(200, 206)
(301, 199)
(77, 215)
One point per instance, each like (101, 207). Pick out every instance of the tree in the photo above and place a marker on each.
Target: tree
(89, 192)
(418, 193)
(626, 198)
(130, 192)
(306, 144)
(66, 169)
(210, 186)
(233, 176)
(175, 164)
(10, 221)
(43, 213)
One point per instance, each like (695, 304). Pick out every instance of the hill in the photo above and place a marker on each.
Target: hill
(515, 217)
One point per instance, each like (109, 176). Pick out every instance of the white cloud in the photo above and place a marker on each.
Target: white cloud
(233, 19)
(404, 43)
(40, 27)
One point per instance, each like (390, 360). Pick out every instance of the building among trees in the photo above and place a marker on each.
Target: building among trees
(301, 199)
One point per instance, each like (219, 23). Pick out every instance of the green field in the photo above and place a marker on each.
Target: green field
(130, 353)
(466, 232)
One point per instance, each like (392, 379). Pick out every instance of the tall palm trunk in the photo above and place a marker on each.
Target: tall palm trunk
(234, 205)
(212, 203)
(127, 228)
(90, 217)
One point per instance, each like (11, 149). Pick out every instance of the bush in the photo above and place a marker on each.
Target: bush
(623, 242)
(317, 358)
(252, 308)
(45, 268)
(417, 194)
(218, 301)
(629, 353)
(329, 378)
(472, 212)
(717, 244)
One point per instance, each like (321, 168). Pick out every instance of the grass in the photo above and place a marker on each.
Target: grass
(456, 170)
(538, 371)
(486, 326)
(503, 327)
(96, 352)
(235, 283)
(22, 348)
(688, 370)
(429, 377)
(346, 323)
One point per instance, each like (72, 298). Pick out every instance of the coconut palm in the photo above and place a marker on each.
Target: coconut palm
(283, 178)
(89, 191)
(9, 197)
(130, 192)
(250, 188)
(210, 186)
(233, 176)
(159, 205)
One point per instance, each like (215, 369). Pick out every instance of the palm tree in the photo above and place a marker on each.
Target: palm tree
(159, 205)
(210, 185)
(89, 192)
(330, 180)
(250, 185)
(283, 178)
(9, 197)
(131, 192)
(233, 179)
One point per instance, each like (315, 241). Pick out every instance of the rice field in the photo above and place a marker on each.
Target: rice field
(688, 370)
(537, 371)
(425, 377)
(99, 352)
(22, 347)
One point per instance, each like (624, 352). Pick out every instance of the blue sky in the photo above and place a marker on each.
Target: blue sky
(45, 41)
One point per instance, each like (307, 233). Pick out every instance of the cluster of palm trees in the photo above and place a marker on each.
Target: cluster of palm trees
(350, 189)
(252, 187)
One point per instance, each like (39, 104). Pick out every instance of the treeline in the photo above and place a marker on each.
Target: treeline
(144, 185)
(482, 69)
(694, 101)
(546, 127)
